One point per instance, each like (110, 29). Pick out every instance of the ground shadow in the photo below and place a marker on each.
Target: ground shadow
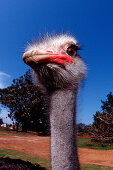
(14, 164)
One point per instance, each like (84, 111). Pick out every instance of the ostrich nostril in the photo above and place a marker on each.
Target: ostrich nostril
(49, 51)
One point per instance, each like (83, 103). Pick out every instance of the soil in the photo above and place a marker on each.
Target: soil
(40, 146)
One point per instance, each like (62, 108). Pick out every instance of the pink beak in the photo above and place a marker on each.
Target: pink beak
(34, 57)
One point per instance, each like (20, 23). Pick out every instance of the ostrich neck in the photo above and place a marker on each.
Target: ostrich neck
(63, 131)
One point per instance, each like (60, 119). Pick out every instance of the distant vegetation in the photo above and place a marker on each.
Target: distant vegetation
(1, 122)
(88, 143)
(27, 104)
(83, 129)
(28, 107)
(102, 129)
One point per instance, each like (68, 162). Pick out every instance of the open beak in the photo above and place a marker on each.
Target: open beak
(32, 58)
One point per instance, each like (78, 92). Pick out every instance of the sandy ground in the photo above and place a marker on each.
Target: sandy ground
(40, 146)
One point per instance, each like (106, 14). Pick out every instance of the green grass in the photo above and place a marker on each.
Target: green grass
(21, 155)
(95, 167)
(3, 129)
(7, 132)
(42, 162)
(87, 143)
(82, 143)
(4, 134)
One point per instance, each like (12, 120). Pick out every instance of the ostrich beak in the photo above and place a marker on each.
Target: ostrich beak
(32, 58)
(35, 56)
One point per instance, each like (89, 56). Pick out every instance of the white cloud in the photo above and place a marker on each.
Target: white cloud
(1, 85)
(4, 74)
(3, 79)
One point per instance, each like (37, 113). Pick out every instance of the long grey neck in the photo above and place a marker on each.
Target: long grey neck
(64, 155)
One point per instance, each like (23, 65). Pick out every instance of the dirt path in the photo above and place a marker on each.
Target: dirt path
(33, 145)
(97, 157)
(40, 146)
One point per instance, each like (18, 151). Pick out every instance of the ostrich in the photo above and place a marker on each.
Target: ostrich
(58, 69)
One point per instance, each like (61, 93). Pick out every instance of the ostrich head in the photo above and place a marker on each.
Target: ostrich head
(55, 62)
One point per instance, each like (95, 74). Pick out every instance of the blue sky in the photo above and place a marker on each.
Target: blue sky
(91, 22)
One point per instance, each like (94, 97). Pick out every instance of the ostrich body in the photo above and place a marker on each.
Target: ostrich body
(58, 69)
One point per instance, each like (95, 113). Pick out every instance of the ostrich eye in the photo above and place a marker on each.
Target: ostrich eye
(71, 50)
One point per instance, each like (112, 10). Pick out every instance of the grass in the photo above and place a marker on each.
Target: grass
(4, 134)
(95, 167)
(87, 143)
(42, 162)
(4, 131)
(21, 155)
(7, 132)
(82, 143)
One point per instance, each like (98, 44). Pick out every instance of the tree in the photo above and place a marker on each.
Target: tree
(1, 122)
(103, 122)
(83, 129)
(80, 129)
(27, 104)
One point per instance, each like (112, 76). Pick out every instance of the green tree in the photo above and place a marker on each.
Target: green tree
(1, 122)
(103, 122)
(27, 104)
(83, 129)
(80, 129)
